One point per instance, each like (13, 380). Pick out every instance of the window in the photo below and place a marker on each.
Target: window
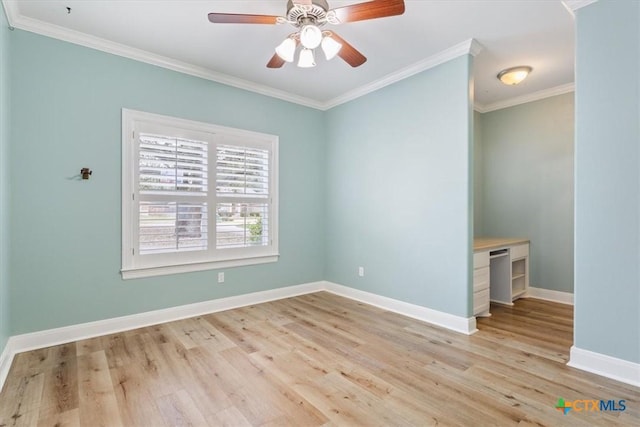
(195, 196)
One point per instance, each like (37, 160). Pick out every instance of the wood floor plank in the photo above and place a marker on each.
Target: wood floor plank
(51, 417)
(229, 417)
(20, 403)
(281, 401)
(136, 404)
(313, 360)
(60, 393)
(178, 409)
(98, 404)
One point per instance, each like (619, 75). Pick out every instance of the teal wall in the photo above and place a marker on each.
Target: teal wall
(398, 190)
(65, 232)
(5, 330)
(527, 184)
(607, 212)
(478, 176)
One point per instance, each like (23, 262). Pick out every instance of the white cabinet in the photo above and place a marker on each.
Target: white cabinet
(481, 276)
(500, 272)
(509, 273)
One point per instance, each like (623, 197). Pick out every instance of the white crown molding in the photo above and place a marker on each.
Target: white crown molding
(606, 366)
(550, 295)
(474, 47)
(50, 30)
(471, 46)
(19, 21)
(573, 5)
(10, 11)
(465, 325)
(468, 47)
(535, 96)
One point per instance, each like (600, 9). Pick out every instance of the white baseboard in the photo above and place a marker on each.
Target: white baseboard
(5, 362)
(606, 366)
(455, 323)
(50, 337)
(47, 338)
(549, 295)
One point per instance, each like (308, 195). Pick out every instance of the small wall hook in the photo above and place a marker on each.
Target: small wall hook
(85, 172)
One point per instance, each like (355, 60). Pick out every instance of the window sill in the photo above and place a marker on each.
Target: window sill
(138, 273)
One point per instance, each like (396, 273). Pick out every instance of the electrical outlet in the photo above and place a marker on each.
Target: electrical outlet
(361, 271)
(220, 277)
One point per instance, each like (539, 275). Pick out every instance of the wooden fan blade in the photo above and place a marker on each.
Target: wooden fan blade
(275, 62)
(350, 54)
(369, 10)
(235, 18)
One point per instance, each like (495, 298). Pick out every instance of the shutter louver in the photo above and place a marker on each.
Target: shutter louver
(172, 166)
(242, 224)
(242, 173)
(172, 227)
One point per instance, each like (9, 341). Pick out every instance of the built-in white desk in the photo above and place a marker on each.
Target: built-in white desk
(500, 271)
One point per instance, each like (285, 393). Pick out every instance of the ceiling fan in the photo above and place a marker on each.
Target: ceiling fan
(308, 16)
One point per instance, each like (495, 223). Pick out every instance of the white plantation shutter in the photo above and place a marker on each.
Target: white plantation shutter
(242, 187)
(170, 166)
(179, 178)
(242, 171)
(172, 227)
(249, 228)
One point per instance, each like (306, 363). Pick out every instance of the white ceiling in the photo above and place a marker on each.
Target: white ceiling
(539, 33)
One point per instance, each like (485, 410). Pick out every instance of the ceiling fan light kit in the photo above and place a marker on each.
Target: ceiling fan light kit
(287, 49)
(307, 59)
(308, 16)
(330, 47)
(310, 36)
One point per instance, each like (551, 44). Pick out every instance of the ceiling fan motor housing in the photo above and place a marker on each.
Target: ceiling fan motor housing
(316, 13)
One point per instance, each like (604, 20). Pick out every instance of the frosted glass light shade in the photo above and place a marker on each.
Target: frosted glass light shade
(310, 36)
(513, 76)
(330, 47)
(306, 59)
(286, 49)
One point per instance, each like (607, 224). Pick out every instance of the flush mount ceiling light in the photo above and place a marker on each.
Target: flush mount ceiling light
(514, 75)
(308, 17)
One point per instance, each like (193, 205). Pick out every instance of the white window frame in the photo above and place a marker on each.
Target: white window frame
(137, 266)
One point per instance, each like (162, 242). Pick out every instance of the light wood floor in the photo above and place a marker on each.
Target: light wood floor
(314, 360)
